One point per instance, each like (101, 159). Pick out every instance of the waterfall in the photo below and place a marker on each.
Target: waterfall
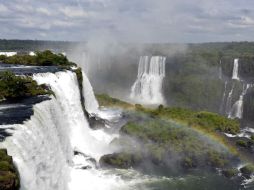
(147, 88)
(91, 103)
(223, 98)
(229, 100)
(43, 147)
(237, 109)
(220, 70)
(235, 69)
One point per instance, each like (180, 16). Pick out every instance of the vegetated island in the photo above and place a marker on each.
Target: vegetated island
(175, 140)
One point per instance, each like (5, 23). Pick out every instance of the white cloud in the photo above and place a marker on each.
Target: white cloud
(3, 9)
(44, 11)
(132, 20)
(73, 11)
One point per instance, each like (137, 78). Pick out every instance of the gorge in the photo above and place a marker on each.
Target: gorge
(71, 139)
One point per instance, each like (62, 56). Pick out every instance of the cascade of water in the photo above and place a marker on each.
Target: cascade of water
(43, 147)
(91, 103)
(235, 69)
(223, 98)
(147, 88)
(237, 109)
(220, 70)
(229, 100)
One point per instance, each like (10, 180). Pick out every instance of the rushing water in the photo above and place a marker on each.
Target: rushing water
(234, 110)
(235, 70)
(56, 149)
(43, 147)
(91, 104)
(147, 88)
(237, 109)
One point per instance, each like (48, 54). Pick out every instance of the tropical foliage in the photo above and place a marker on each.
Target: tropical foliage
(13, 87)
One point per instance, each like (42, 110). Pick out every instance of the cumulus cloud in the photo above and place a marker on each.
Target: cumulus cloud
(131, 21)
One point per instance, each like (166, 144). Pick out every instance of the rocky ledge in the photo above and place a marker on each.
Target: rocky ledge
(9, 177)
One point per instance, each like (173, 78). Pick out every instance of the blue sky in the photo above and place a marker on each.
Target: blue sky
(128, 20)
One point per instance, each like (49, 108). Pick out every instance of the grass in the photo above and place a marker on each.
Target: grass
(107, 101)
(210, 122)
(160, 138)
(207, 121)
(178, 131)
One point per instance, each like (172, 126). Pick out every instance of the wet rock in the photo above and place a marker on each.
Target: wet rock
(96, 123)
(247, 170)
(120, 160)
(86, 167)
(9, 177)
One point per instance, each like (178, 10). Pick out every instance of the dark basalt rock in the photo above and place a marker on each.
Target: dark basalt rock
(96, 123)
(9, 177)
(91, 160)
(86, 167)
(120, 160)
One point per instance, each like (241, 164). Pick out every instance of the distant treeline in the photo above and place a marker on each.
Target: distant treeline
(34, 45)
(44, 58)
(218, 48)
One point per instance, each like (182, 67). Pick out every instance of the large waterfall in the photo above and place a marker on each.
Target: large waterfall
(230, 108)
(91, 103)
(235, 69)
(147, 88)
(52, 149)
(237, 109)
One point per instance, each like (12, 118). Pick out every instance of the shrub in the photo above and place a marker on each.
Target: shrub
(45, 58)
(13, 87)
(216, 160)
(188, 163)
(120, 160)
(229, 173)
(242, 143)
(9, 178)
(247, 170)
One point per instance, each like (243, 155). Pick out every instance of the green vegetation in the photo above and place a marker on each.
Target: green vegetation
(78, 72)
(207, 121)
(160, 139)
(120, 160)
(9, 177)
(189, 162)
(229, 173)
(210, 122)
(45, 58)
(247, 170)
(106, 100)
(14, 87)
(168, 133)
(28, 45)
(242, 143)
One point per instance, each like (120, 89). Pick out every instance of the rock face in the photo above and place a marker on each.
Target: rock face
(120, 160)
(9, 177)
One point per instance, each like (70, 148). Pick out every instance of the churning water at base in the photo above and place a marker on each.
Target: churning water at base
(43, 147)
(147, 89)
(57, 150)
